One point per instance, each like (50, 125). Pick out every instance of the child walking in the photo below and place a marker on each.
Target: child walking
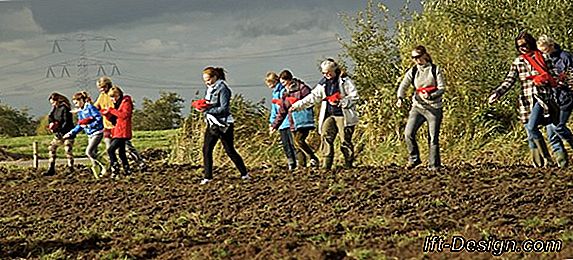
(90, 120)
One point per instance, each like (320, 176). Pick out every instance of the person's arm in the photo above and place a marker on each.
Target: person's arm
(441, 84)
(96, 115)
(315, 96)
(125, 109)
(406, 81)
(281, 114)
(351, 94)
(509, 81)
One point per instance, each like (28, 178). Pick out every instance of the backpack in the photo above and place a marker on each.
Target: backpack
(415, 70)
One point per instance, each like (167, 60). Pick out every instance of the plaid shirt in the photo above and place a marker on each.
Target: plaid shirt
(521, 69)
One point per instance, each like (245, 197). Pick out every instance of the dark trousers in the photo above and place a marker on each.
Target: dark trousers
(303, 150)
(210, 140)
(117, 144)
(288, 146)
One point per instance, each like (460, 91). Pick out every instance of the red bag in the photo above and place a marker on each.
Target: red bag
(85, 121)
(200, 104)
(291, 100)
(333, 98)
(428, 89)
(544, 78)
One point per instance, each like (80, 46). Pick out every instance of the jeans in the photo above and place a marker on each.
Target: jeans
(561, 128)
(210, 140)
(288, 146)
(533, 132)
(416, 118)
(91, 149)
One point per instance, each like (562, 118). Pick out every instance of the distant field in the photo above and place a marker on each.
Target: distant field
(141, 139)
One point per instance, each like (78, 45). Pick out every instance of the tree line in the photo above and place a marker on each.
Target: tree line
(161, 114)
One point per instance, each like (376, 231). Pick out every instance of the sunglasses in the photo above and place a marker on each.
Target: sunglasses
(417, 56)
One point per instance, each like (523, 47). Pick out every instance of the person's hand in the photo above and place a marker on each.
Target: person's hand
(399, 102)
(493, 98)
(425, 94)
(291, 109)
(334, 103)
(271, 130)
(67, 136)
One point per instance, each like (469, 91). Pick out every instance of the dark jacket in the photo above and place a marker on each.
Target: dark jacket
(61, 116)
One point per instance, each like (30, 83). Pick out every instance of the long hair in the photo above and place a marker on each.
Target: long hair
(60, 99)
(529, 40)
(215, 72)
(423, 51)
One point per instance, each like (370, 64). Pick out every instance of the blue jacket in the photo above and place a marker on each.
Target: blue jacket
(278, 93)
(219, 98)
(301, 119)
(562, 60)
(94, 126)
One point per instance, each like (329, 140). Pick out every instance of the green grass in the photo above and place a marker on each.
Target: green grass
(141, 140)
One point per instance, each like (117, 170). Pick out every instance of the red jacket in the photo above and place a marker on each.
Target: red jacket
(122, 128)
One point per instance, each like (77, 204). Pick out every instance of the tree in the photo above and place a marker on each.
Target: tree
(14, 122)
(164, 113)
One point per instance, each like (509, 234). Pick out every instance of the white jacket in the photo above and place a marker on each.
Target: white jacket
(348, 94)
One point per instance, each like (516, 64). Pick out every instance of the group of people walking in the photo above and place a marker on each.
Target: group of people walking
(542, 68)
(108, 119)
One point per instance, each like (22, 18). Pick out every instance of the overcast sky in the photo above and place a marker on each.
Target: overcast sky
(163, 45)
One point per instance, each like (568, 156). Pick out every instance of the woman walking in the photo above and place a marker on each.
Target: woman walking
(535, 94)
(338, 95)
(220, 122)
(428, 82)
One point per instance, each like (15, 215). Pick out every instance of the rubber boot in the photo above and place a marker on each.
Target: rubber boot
(540, 143)
(348, 163)
(562, 159)
(537, 158)
(327, 163)
(52, 170)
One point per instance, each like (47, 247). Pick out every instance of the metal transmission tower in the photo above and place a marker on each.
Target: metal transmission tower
(83, 61)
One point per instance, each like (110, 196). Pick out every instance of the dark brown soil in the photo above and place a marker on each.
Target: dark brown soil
(363, 213)
(8, 156)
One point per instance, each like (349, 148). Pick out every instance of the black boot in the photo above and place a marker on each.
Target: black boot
(126, 169)
(52, 170)
(115, 170)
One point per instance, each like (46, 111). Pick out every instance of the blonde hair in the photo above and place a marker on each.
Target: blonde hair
(329, 65)
(115, 92)
(271, 78)
(545, 40)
